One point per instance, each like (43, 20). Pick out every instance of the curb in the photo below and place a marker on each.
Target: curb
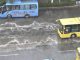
(65, 7)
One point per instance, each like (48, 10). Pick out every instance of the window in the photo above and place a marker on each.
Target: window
(24, 7)
(13, 7)
(74, 28)
(27, 7)
(17, 7)
(33, 6)
(9, 7)
(79, 27)
(67, 29)
(21, 7)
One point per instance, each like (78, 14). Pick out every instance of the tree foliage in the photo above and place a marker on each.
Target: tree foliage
(2, 2)
(57, 3)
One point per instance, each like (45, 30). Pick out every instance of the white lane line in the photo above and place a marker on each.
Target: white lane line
(10, 55)
(67, 51)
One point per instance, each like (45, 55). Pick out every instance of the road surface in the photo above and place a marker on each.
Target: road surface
(35, 38)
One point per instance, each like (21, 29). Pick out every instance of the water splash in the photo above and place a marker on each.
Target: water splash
(35, 25)
(13, 41)
(18, 33)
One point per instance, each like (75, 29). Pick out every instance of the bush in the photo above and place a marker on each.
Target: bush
(57, 4)
(2, 2)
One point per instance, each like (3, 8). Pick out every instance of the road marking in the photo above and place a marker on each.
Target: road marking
(10, 55)
(67, 51)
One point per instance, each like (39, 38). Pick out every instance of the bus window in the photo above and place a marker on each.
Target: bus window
(26, 7)
(17, 7)
(13, 7)
(67, 29)
(9, 7)
(79, 27)
(33, 6)
(74, 28)
(21, 7)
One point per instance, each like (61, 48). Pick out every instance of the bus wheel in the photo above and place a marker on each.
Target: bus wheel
(9, 16)
(73, 35)
(27, 16)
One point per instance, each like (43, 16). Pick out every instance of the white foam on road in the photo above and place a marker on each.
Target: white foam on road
(52, 40)
(35, 25)
(27, 44)
(5, 45)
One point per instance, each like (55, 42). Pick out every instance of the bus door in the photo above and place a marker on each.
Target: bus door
(67, 29)
(0, 10)
(3, 9)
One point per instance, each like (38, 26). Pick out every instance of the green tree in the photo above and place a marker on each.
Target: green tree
(2, 2)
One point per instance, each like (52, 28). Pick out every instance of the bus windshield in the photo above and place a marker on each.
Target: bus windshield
(60, 28)
(2, 9)
(60, 25)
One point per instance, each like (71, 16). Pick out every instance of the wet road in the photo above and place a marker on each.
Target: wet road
(39, 53)
(36, 38)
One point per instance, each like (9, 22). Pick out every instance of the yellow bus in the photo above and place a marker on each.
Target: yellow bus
(78, 53)
(69, 27)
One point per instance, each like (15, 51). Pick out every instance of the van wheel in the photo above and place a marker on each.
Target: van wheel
(9, 16)
(27, 16)
(73, 35)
